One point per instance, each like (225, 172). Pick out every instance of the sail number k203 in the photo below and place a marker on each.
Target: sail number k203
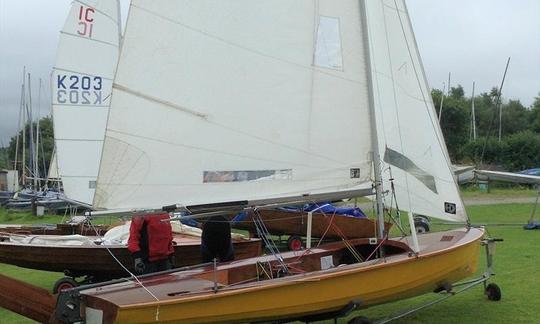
(79, 90)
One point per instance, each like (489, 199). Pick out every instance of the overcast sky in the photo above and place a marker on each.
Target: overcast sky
(472, 39)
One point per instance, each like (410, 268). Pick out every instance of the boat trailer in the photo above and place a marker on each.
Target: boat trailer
(491, 290)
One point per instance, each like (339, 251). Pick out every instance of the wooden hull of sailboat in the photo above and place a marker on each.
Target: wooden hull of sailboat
(188, 297)
(280, 222)
(96, 260)
(58, 229)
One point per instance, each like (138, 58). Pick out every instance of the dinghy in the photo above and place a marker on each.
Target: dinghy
(323, 225)
(96, 258)
(231, 105)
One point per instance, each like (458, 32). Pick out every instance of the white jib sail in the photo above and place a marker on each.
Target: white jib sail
(53, 168)
(236, 99)
(411, 143)
(81, 91)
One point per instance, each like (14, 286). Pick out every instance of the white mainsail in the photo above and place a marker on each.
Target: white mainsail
(81, 88)
(236, 100)
(411, 143)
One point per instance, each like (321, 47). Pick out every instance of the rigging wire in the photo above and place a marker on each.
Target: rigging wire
(264, 234)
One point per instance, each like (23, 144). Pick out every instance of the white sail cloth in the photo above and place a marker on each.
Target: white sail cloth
(232, 100)
(81, 88)
(242, 100)
(411, 143)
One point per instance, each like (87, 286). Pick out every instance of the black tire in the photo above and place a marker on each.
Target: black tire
(64, 283)
(493, 292)
(359, 320)
(421, 227)
(295, 243)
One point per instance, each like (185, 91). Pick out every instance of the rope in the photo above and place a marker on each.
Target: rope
(264, 234)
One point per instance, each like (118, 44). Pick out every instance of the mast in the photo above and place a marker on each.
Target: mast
(374, 139)
(442, 98)
(442, 101)
(473, 116)
(499, 98)
(36, 156)
(15, 163)
(23, 176)
(448, 90)
(31, 125)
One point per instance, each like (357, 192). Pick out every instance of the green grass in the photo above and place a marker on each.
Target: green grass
(498, 192)
(517, 261)
(8, 216)
(516, 265)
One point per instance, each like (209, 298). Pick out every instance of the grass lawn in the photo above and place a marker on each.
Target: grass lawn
(498, 192)
(517, 261)
(516, 265)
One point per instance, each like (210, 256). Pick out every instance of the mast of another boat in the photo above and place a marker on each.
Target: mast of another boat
(37, 182)
(375, 142)
(473, 116)
(31, 125)
(23, 176)
(21, 105)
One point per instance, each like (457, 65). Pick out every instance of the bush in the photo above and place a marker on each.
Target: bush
(522, 151)
(516, 152)
(482, 152)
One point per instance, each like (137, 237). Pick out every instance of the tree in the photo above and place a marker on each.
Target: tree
(46, 141)
(4, 158)
(522, 151)
(484, 151)
(457, 92)
(455, 126)
(515, 118)
(535, 115)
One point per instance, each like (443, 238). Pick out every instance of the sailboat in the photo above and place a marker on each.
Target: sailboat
(81, 86)
(224, 106)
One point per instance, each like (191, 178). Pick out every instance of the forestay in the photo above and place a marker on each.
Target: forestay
(411, 143)
(235, 100)
(81, 88)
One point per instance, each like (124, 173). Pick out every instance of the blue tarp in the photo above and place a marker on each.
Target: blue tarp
(534, 172)
(323, 208)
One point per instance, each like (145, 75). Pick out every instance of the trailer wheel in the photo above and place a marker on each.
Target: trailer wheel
(294, 243)
(493, 292)
(421, 227)
(63, 284)
(360, 320)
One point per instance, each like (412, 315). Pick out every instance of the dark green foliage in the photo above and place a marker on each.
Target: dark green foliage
(517, 149)
(482, 152)
(515, 117)
(535, 115)
(522, 151)
(46, 139)
(3, 158)
(455, 125)
(457, 92)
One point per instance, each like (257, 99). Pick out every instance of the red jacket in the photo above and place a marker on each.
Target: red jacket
(150, 238)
